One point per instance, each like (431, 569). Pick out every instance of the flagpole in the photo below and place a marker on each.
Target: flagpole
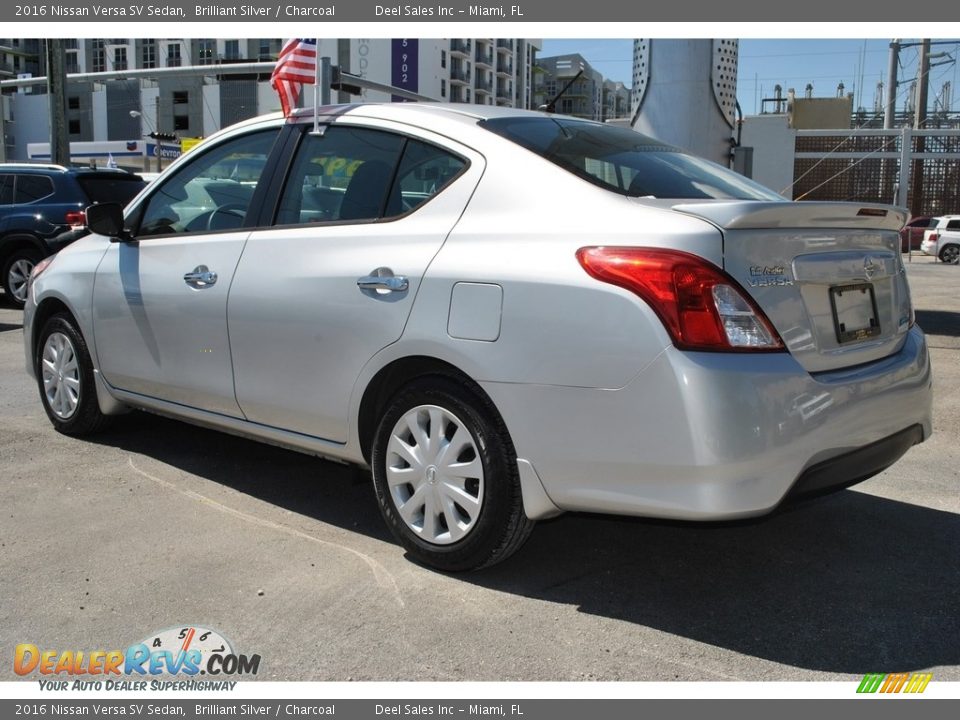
(316, 92)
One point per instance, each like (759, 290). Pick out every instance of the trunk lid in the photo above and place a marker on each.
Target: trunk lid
(828, 275)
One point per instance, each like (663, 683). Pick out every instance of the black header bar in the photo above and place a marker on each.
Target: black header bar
(516, 11)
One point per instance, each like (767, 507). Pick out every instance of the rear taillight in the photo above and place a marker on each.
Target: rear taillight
(701, 306)
(76, 218)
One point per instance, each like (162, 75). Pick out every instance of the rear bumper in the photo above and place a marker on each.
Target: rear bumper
(855, 466)
(703, 436)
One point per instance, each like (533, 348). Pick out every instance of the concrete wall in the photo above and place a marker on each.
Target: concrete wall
(773, 143)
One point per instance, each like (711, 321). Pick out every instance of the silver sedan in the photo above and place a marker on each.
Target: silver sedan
(505, 315)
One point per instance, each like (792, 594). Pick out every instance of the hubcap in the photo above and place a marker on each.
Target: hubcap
(435, 474)
(19, 274)
(951, 254)
(60, 372)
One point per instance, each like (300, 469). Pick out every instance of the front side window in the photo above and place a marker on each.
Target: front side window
(213, 192)
(355, 174)
(624, 161)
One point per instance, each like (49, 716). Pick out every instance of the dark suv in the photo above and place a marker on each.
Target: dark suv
(36, 203)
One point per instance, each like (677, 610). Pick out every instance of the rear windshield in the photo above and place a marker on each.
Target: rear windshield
(624, 161)
(111, 188)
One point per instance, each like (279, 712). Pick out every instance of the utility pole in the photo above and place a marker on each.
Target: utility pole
(157, 116)
(920, 117)
(57, 94)
(923, 85)
(891, 106)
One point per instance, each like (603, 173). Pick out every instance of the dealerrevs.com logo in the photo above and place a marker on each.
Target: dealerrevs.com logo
(179, 652)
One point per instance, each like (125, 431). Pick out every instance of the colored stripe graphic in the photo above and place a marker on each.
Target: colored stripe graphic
(871, 682)
(894, 682)
(918, 683)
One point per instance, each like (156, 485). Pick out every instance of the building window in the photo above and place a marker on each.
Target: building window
(73, 127)
(173, 55)
(207, 50)
(73, 102)
(148, 54)
(265, 52)
(98, 56)
(181, 110)
(231, 49)
(120, 58)
(443, 58)
(443, 88)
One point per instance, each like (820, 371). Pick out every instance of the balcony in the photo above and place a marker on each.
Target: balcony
(484, 86)
(483, 58)
(504, 45)
(460, 47)
(504, 94)
(505, 69)
(460, 75)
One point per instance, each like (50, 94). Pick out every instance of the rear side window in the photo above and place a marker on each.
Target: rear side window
(110, 188)
(6, 189)
(357, 174)
(624, 161)
(424, 171)
(953, 225)
(30, 188)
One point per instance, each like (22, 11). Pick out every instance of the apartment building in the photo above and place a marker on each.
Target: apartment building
(485, 71)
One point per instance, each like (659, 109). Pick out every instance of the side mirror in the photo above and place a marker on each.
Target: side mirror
(107, 219)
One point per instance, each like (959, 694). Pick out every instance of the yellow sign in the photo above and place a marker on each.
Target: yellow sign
(189, 143)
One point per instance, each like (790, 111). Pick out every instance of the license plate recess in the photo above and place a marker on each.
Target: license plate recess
(854, 312)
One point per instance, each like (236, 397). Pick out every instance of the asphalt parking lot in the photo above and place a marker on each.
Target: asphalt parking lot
(158, 524)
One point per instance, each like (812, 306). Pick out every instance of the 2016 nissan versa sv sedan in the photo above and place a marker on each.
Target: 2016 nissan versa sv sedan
(505, 314)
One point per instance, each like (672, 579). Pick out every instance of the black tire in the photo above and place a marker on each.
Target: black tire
(16, 270)
(74, 410)
(950, 254)
(497, 527)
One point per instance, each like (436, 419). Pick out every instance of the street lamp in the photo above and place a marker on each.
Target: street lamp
(154, 133)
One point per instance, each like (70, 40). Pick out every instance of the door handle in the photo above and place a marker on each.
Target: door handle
(201, 277)
(388, 283)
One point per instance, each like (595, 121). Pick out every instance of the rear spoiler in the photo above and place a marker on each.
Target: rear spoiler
(763, 214)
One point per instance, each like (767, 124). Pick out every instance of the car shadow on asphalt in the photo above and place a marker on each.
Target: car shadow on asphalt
(939, 322)
(848, 583)
(4, 327)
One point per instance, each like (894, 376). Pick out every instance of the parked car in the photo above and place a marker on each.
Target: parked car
(504, 314)
(40, 202)
(912, 233)
(943, 239)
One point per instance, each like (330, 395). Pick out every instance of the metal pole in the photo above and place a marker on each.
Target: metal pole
(326, 77)
(157, 116)
(924, 85)
(917, 204)
(891, 106)
(57, 92)
(906, 140)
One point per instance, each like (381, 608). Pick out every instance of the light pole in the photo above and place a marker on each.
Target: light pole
(154, 133)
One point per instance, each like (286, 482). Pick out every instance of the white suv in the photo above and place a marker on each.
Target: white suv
(943, 238)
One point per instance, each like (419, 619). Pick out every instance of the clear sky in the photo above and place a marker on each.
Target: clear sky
(859, 64)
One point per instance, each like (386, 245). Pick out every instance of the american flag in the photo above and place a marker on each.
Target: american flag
(296, 65)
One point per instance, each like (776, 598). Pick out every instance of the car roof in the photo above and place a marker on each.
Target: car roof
(47, 169)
